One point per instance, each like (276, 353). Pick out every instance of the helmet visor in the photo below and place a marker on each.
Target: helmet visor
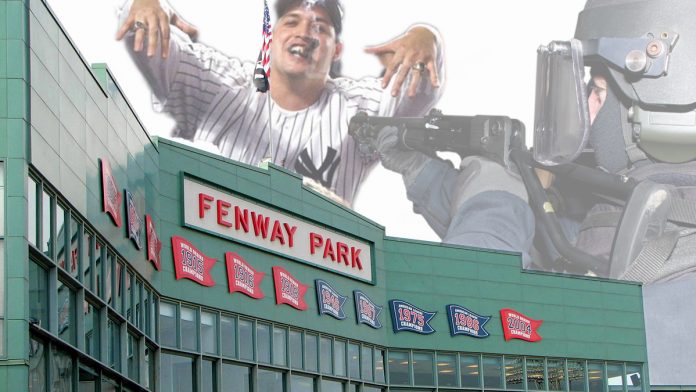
(561, 118)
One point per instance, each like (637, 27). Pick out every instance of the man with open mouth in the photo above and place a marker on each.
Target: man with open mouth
(303, 124)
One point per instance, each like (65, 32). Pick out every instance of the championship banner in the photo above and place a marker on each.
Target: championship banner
(518, 326)
(329, 300)
(463, 321)
(289, 290)
(154, 245)
(406, 317)
(133, 221)
(190, 263)
(110, 193)
(242, 277)
(367, 312)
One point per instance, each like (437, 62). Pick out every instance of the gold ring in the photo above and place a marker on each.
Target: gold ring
(419, 66)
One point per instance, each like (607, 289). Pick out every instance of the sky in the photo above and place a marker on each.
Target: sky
(490, 51)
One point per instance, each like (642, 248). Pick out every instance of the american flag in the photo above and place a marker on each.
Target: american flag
(263, 65)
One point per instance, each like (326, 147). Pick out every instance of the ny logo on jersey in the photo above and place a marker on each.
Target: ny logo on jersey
(325, 173)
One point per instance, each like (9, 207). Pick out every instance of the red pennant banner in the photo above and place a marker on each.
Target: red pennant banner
(289, 290)
(518, 326)
(190, 263)
(110, 193)
(154, 245)
(243, 278)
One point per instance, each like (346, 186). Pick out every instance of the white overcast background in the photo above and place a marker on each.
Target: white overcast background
(490, 49)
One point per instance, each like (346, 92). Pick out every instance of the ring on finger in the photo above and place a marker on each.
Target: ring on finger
(137, 25)
(419, 66)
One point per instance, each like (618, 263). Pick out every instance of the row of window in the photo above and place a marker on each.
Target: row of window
(217, 336)
(2, 258)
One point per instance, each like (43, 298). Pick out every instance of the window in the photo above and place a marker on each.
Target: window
(331, 386)
(263, 342)
(366, 362)
(446, 370)
(310, 353)
(469, 370)
(246, 340)
(423, 369)
(339, 354)
(167, 324)
(118, 283)
(32, 212)
(615, 377)
(228, 336)
(66, 312)
(113, 330)
(88, 260)
(176, 373)
(379, 365)
(209, 332)
(189, 336)
(556, 374)
(91, 329)
(301, 383)
(88, 380)
(398, 368)
(37, 365)
(492, 372)
(133, 357)
(514, 372)
(62, 254)
(279, 342)
(296, 349)
(149, 380)
(46, 213)
(354, 361)
(325, 355)
(72, 259)
(103, 274)
(634, 377)
(38, 295)
(235, 378)
(61, 371)
(576, 375)
(535, 374)
(595, 376)
(207, 375)
(270, 381)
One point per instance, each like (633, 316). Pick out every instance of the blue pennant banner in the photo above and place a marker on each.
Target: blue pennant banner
(366, 311)
(329, 300)
(406, 317)
(463, 321)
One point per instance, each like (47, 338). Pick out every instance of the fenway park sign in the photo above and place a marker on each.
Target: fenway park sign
(215, 211)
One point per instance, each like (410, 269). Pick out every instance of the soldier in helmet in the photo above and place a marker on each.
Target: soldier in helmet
(632, 116)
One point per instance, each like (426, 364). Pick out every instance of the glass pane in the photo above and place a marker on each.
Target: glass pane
(189, 336)
(469, 369)
(228, 336)
(63, 259)
(354, 361)
(398, 368)
(331, 386)
(371, 389)
(446, 370)
(633, 377)
(136, 304)
(37, 365)
(108, 385)
(576, 375)
(513, 373)
(46, 210)
(325, 355)
(176, 373)
(133, 354)
(61, 371)
(147, 304)
(295, 349)
(379, 365)
(74, 238)
(88, 380)
(339, 355)
(207, 375)
(269, 381)
(235, 378)
(129, 297)
(556, 375)
(209, 332)
(149, 359)
(91, 329)
(66, 313)
(615, 377)
(595, 376)
(492, 372)
(87, 256)
(114, 332)
(32, 212)
(263, 342)
(38, 295)
(167, 324)
(279, 342)
(102, 271)
(301, 383)
(366, 362)
(423, 369)
(535, 374)
(118, 284)
(310, 352)
(246, 340)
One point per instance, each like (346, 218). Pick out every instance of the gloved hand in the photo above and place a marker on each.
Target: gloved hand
(408, 163)
(478, 175)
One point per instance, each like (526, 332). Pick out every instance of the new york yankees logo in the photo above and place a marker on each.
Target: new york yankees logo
(325, 173)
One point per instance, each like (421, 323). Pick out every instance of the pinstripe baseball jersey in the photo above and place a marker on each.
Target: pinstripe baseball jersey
(212, 98)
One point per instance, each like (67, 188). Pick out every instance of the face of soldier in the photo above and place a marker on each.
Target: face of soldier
(304, 43)
(597, 96)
